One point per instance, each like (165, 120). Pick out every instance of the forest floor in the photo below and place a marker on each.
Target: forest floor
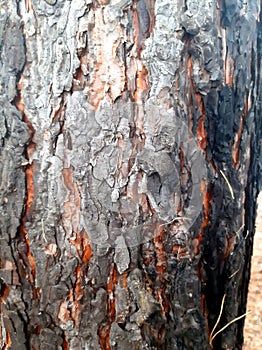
(253, 323)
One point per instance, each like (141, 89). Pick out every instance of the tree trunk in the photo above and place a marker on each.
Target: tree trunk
(130, 162)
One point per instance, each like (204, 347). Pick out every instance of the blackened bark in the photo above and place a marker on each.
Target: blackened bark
(130, 168)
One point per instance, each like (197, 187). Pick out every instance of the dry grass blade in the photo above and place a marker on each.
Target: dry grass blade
(228, 324)
(234, 273)
(228, 184)
(43, 230)
(217, 322)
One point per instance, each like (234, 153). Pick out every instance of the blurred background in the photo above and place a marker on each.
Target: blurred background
(253, 323)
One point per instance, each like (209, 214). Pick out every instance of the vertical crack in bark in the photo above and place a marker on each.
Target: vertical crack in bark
(105, 326)
(201, 132)
(75, 296)
(229, 73)
(29, 199)
(142, 27)
(65, 344)
(202, 143)
(80, 240)
(141, 83)
(8, 341)
(207, 197)
(236, 145)
(161, 270)
(28, 5)
(25, 263)
(103, 334)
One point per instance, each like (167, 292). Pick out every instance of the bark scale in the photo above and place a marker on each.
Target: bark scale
(130, 163)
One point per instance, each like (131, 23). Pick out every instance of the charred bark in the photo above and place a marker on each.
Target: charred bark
(130, 163)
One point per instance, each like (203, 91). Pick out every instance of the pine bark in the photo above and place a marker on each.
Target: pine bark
(130, 165)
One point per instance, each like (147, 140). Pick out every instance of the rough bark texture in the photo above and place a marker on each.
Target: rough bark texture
(130, 160)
